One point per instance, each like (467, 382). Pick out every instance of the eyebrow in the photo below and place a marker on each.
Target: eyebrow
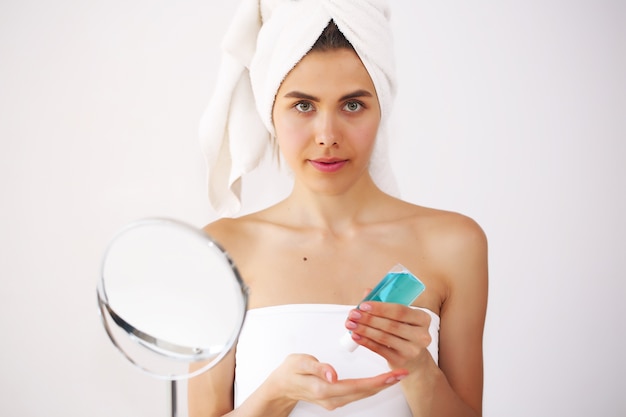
(354, 94)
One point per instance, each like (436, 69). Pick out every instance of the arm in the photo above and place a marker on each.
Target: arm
(400, 334)
(462, 323)
(211, 393)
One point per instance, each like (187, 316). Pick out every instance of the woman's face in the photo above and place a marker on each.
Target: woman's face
(326, 117)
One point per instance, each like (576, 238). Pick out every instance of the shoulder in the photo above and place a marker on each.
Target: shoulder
(439, 234)
(228, 231)
(223, 227)
(240, 233)
(449, 231)
(460, 255)
(455, 243)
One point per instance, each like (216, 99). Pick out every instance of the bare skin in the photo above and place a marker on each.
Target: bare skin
(335, 236)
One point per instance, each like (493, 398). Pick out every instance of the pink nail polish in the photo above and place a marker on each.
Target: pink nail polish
(354, 314)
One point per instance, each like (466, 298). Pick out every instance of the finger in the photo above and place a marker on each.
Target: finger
(398, 352)
(362, 323)
(330, 374)
(349, 390)
(310, 365)
(377, 381)
(389, 338)
(397, 312)
(346, 391)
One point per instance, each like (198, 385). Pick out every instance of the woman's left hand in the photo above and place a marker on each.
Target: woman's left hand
(396, 332)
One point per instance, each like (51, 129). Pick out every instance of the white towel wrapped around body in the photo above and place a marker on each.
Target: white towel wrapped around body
(265, 40)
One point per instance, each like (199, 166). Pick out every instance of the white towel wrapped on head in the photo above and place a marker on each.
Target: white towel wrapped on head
(265, 40)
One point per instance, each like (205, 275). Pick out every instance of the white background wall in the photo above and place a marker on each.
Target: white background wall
(512, 112)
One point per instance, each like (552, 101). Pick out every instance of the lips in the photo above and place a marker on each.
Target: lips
(328, 164)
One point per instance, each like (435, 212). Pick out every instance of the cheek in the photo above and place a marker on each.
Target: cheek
(291, 134)
(365, 135)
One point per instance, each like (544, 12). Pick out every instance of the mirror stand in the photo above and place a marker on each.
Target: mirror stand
(174, 398)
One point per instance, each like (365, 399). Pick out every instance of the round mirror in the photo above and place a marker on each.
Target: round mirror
(171, 299)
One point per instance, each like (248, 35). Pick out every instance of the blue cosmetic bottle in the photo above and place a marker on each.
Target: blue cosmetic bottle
(399, 286)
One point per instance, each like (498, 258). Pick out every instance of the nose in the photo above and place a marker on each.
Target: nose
(327, 131)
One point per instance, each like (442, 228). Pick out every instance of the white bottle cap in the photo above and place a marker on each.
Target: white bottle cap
(347, 343)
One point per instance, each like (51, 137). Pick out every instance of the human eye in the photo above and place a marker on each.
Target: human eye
(303, 106)
(353, 106)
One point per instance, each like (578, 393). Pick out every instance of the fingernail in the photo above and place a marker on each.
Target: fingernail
(365, 307)
(329, 376)
(354, 314)
(351, 325)
(396, 378)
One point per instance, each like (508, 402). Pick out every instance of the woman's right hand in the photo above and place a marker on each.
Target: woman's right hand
(302, 377)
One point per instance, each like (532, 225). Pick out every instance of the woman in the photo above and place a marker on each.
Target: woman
(308, 260)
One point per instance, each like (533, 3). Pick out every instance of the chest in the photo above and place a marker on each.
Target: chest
(301, 269)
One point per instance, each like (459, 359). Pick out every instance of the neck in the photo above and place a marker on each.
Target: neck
(335, 212)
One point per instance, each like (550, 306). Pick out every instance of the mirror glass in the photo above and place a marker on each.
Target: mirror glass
(170, 298)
